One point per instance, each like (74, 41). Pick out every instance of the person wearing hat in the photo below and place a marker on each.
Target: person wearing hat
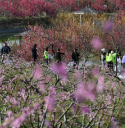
(103, 56)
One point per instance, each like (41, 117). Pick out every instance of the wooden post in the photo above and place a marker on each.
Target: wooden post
(73, 18)
(80, 19)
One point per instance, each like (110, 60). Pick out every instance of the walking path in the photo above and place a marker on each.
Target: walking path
(88, 63)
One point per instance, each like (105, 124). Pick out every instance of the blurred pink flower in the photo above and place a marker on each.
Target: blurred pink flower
(90, 96)
(1, 78)
(62, 70)
(37, 72)
(15, 103)
(85, 92)
(50, 100)
(52, 91)
(41, 86)
(9, 113)
(90, 86)
(47, 123)
(85, 109)
(50, 103)
(80, 92)
(23, 117)
(77, 75)
(59, 69)
(48, 79)
(74, 108)
(16, 123)
(54, 68)
(123, 72)
(100, 84)
(36, 105)
(95, 71)
(96, 43)
(4, 125)
(107, 26)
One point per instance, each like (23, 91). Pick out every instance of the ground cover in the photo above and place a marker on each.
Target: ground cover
(25, 89)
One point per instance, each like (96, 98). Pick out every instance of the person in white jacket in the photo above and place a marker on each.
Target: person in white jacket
(118, 64)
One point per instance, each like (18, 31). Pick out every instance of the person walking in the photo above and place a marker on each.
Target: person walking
(34, 53)
(58, 56)
(113, 57)
(75, 58)
(118, 64)
(103, 56)
(5, 51)
(123, 61)
(109, 59)
(46, 55)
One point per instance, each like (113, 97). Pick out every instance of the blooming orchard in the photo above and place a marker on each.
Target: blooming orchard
(58, 95)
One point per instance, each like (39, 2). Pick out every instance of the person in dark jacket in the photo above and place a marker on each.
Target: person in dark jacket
(34, 53)
(75, 58)
(5, 51)
(58, 56)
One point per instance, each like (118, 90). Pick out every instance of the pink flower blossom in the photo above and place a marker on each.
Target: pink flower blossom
(100, 84)
(90, 86)
(59, 69)
(84, 92)
(95, 71)
(41, 86)
(4, 126)
(80, 92)
(85, 109)
(96, 43)
(1, 78)
(47, 123)
(23, 117)
(50, 100)
(16, 123)
(50, 103)
(48, 79)
(74, 108)
(38, 72)
(15, 103)
(36, 105)
(9, 113)
(77, 75)
(107, 26)
(54, 68)
(52, 91)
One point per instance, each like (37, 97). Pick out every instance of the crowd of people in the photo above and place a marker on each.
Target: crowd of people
(56, 56)
(113, 60)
